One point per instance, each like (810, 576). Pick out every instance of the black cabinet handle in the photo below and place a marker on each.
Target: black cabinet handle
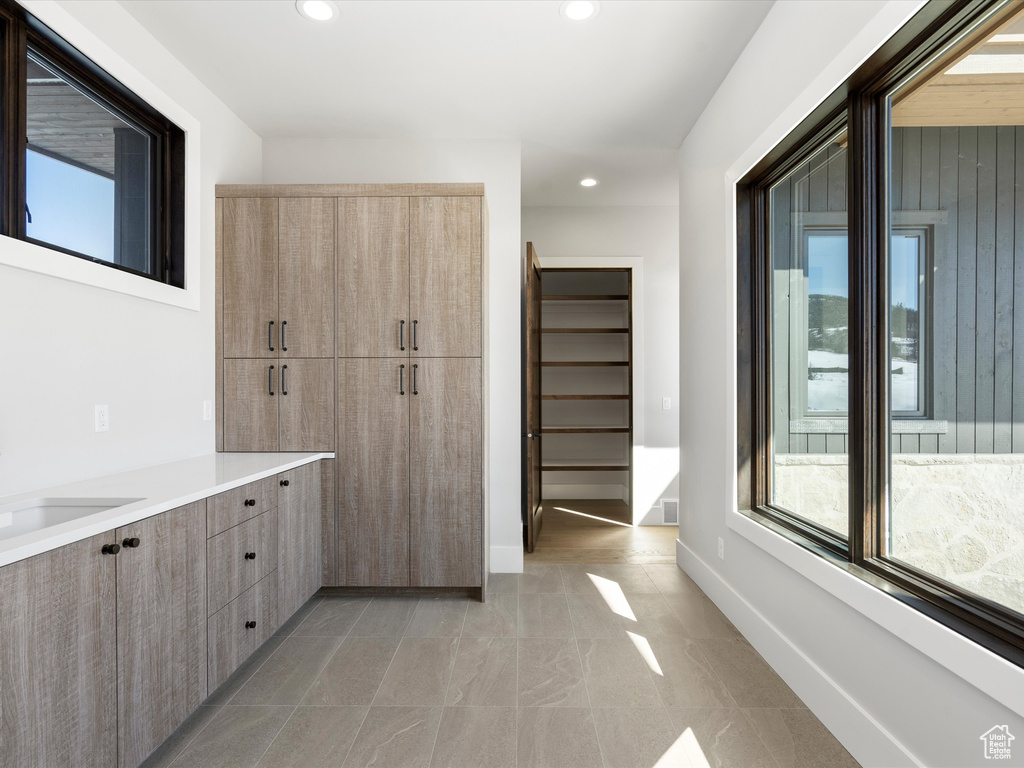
(285, 483)
(111, 549)
(131, 543)
(284, 344)
(284, 387)
(250, 625)
(401, 335)
(250, 502)
(415, 323)
(270, 337)
(401, 379)
(250, 555)
(414, 390)
(270, 380)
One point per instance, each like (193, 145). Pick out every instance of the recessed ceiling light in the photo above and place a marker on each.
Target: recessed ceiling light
(317, 10)
(579, 10)
(589, 182)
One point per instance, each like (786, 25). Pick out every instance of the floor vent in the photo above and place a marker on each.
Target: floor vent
(670, 511)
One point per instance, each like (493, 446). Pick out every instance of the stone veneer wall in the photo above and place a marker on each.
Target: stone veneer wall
(957, 516)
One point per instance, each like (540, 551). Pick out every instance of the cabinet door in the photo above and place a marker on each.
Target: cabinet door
(306, 276)
(161, 628)
(373, 276)
(446, 473)
(373, 472)
(298, 512)
(252, 389)
(307, 405)
(58, 659)
(250, 277)
(445, 276)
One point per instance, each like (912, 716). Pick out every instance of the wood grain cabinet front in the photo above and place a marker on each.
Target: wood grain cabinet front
(298, 538)
(228, 509)
(239, 557)
(240, 627)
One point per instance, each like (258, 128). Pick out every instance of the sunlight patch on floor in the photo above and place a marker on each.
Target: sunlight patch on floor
(646, 652)
(613, 596)
(684, 753)
(593, 517)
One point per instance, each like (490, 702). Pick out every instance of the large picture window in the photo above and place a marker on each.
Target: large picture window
(881, 318)
(90, 169)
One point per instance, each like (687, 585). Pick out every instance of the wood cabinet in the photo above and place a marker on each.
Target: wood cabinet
(58, 660)
(298, 539)
(161, 628)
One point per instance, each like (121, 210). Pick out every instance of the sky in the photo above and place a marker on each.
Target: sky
(827, 272)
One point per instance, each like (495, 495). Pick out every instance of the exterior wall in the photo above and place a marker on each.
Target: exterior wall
(975, 373)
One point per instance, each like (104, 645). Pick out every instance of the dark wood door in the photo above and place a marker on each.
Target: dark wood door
(161, 628)
(531, 439)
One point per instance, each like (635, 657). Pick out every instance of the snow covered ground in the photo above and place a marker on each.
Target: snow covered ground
(828, 382)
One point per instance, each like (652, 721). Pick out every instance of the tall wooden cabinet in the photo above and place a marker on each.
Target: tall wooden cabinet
(402, 391)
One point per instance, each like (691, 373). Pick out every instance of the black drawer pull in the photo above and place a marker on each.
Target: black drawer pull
(415, 323)
(284, 387)
(401, 335)
(250, 555)
(285, 483)
(415, 391)
(131, 543)
(270, 336)
(270, 380)
(401, 379)
(284, 344)
(250, 625)
(111, 549)
(250, 502)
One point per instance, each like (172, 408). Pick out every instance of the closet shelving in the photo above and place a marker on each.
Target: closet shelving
(586, 384)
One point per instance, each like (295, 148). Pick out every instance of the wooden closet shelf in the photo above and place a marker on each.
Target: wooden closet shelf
(589, 364)
(585, 430)
(584, 330)
(584, 397)
(585, 467)
(591, 297)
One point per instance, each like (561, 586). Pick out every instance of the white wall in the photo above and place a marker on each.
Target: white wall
(497, 165)
(895, 687)
(70, 346)
(599, 236)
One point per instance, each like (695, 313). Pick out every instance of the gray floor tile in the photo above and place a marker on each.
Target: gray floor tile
(476, 737)
(395, 737)
(700, 617)
(501, 583)
(607, 578)
(241, 676)
(592, 616)
(288, 674)
(315, 737)
(671, 579)
(237, 737)
(749, 679)
(539, 578)
(683, 676)
(175, 743)
(298, 617)
(333, 616)
(544, 616)
(484, 673)
(498, 617)
(634, 737)
(721, 737)
(550, 673)
(441, 616)
(557, 737)
(354, 673)
(385, 617)
(654, 616)
(797, 739)
(616, 674)
(419, 672)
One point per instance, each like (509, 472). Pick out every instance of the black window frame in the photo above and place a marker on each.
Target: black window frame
(20, 30)
(859, 106)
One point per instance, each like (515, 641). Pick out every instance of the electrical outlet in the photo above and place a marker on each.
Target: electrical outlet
(666, 403)
(207, 410)
(721, 548)
(102, 418)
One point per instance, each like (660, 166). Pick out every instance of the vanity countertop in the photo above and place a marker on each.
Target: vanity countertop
(152, 490)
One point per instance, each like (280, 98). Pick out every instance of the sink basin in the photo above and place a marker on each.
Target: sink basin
(35, 514)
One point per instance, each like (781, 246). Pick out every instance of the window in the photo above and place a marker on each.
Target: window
(881, 324)
(90, 169)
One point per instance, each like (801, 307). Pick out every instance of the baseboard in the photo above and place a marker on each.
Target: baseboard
(863, 736)
(506, 559)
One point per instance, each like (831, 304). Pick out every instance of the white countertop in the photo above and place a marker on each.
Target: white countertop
(159, 488)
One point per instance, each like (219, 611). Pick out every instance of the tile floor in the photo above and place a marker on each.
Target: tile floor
(565, 666)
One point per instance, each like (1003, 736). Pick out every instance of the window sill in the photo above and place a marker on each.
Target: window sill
(842, 426)
(987, 671)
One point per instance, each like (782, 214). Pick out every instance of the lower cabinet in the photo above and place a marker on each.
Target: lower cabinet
(58, 659)
(298, 540)
(240, 627)
(161, 628)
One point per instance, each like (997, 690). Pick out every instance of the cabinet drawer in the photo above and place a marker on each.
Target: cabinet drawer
(239, 557)
(228, 509)
(231, 640)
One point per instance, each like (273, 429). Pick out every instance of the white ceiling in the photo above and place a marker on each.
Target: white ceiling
(613, 94)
